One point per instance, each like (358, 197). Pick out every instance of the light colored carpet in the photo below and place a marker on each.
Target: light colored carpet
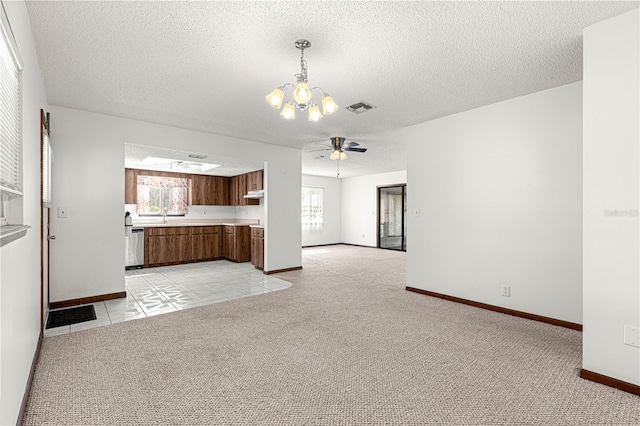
(346, 344)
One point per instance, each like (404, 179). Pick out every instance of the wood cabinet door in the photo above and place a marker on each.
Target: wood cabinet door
(155, 249)
(221, 188)
(198, 185)
(242, 244)
(257, 248)
(229, 246)
(233, 191)
(182, 243)
(242, 190)
(130, 186)
(259, 253)
(216, 245)
(255, 180)
(169, 245)
(206, 242)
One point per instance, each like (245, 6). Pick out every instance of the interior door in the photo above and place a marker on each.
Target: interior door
(392, 229)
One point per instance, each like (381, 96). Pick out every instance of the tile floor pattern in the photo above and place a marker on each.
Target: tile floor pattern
(154, 291)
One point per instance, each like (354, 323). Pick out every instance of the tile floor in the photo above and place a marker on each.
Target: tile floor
(154, 291)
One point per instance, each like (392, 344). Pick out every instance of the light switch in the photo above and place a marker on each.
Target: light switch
(62, 212)
(632, 336)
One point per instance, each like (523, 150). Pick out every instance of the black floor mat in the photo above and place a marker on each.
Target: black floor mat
(71, 316)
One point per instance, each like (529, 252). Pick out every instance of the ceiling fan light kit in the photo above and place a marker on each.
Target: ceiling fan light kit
(302, 96)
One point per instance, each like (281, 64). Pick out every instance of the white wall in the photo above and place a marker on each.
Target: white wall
(500, 194)
(330, 232)
(88, 181)
(360, 204)
(20, 259)
(611, 182)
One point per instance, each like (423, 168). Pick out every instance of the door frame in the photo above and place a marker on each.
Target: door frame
(45, 220)
(404, 214)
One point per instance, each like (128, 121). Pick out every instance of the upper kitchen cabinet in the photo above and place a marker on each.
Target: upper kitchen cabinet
(206, 190)
(254, 180)
(209, 190)
(242, 184)
(130, 186)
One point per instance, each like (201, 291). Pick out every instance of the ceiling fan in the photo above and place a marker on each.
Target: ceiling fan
(338, 146)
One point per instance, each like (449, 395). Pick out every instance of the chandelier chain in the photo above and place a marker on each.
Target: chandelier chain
(302, 76)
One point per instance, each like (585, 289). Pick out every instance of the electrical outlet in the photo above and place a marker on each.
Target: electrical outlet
(632, 336)
(506, 290)
(62, 212)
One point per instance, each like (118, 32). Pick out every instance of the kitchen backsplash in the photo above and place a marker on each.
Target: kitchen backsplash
(214, 212)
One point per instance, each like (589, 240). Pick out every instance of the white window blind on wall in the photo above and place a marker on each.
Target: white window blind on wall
(312, 206)
(47, 159)
(10, 111)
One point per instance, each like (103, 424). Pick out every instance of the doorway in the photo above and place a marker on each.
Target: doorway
(392, 224)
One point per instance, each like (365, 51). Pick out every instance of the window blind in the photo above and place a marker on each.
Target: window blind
(47, 159)
(10, 111)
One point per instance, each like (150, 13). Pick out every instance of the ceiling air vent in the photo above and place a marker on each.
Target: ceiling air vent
(360, 107)
(198, 156)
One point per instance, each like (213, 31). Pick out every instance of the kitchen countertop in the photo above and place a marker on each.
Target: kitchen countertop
(174, 223)
(257, 226)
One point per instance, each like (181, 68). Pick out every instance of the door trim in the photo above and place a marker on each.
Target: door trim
(44, 127)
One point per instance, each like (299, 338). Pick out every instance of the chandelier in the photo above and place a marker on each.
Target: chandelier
(301, 93)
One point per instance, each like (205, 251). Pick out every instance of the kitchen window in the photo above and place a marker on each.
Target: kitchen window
(312, 206)
(157, 194)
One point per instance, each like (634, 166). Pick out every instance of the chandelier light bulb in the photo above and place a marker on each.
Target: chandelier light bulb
(288, 112)
(334, 155)
(302, 93)
(275, 98)
(328, 106)
(343, 156)
(314, 113)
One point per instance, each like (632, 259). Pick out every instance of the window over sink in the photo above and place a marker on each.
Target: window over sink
(157, 193)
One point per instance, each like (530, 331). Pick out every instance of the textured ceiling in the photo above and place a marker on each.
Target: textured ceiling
(208, 65)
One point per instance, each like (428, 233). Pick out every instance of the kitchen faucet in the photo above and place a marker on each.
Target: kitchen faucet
(164, 215)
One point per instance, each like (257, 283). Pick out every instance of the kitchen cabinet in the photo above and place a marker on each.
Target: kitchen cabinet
(206, 243)
(205, 190)
(130, 186)
(169, 245)
(255, 180)
(237, 243)
(221, 191)
(209, 190)
(257, 248)
(172, 245)
(242, 184)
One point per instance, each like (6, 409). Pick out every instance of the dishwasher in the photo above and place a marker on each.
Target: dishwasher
(134, 248)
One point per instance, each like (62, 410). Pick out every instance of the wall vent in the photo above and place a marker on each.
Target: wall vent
(360, 107)
(198, 156)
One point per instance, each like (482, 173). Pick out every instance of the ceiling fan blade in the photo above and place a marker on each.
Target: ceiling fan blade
(324, 149)
(350, 144)
(356, 149)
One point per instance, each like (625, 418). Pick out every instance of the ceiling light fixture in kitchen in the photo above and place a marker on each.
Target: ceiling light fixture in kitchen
(301, 93)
